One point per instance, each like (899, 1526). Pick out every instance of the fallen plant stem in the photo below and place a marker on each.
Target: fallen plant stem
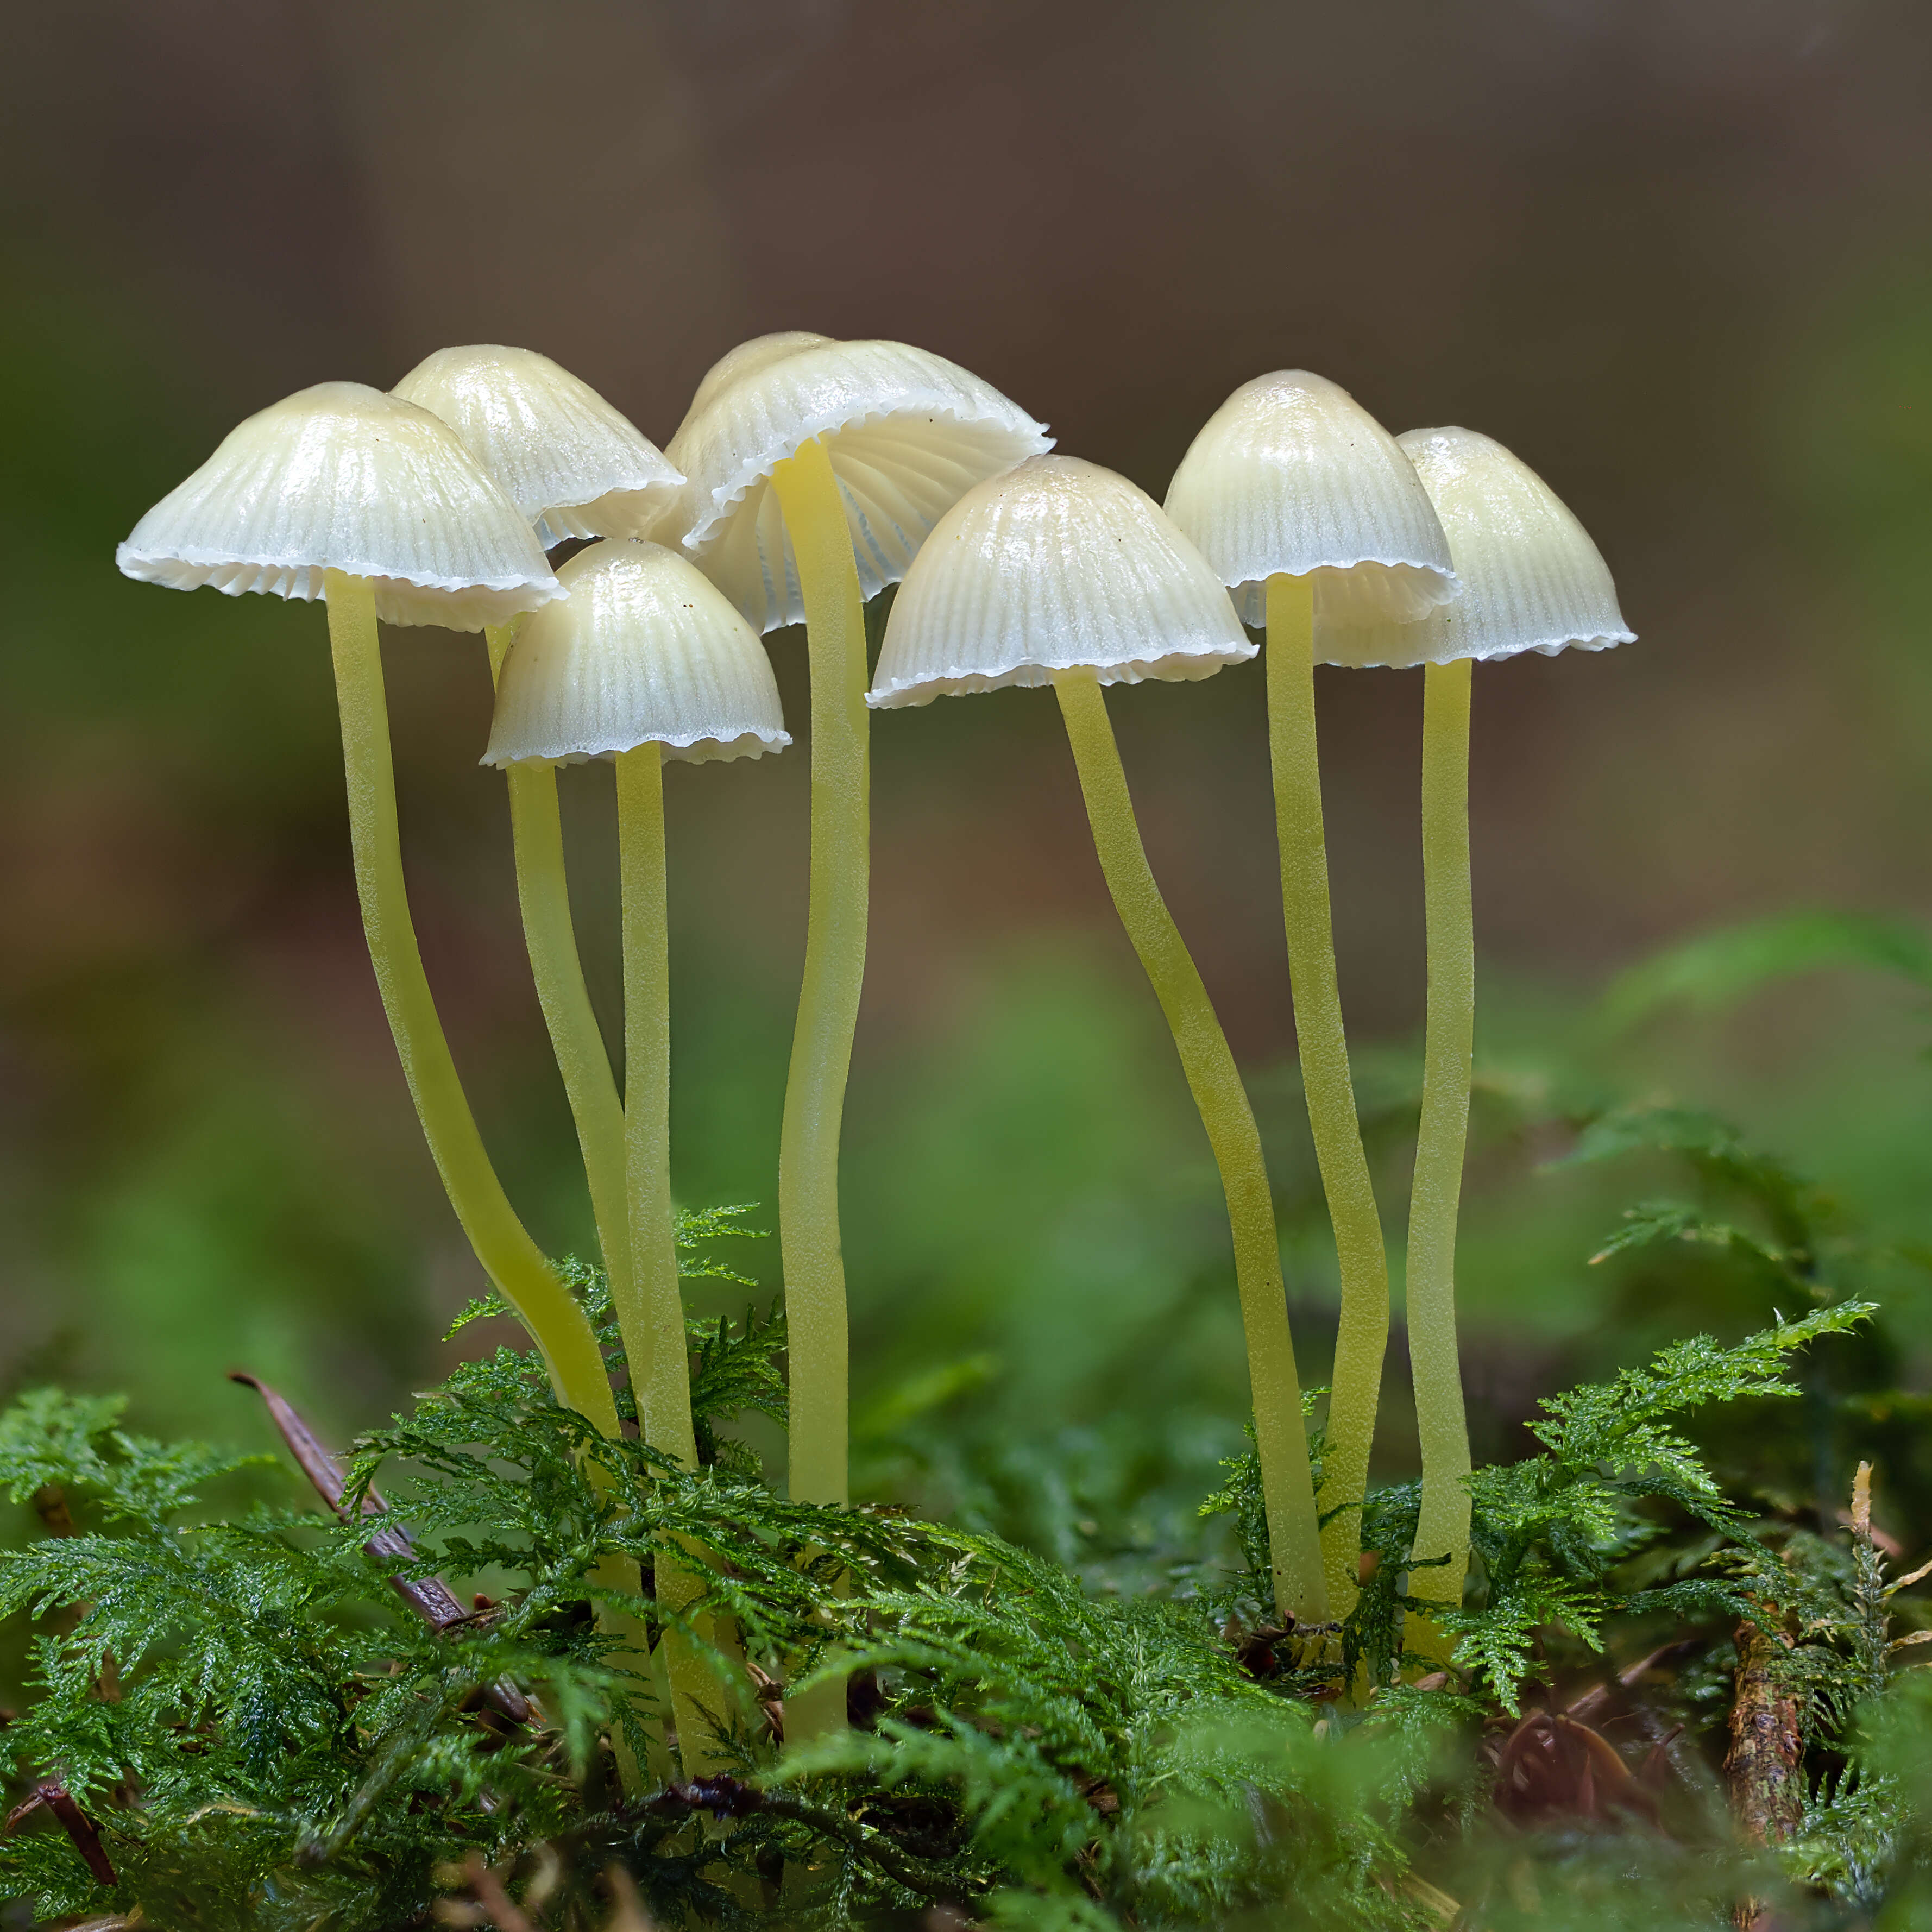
(429, 1597)
(58, 1800)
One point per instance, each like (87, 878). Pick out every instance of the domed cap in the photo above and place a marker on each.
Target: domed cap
(747, 359)
(570, 462)
(1057, 566)
(1292, 474)
(1532, 580)
(645, 649)
(908, 433)
(341, 477)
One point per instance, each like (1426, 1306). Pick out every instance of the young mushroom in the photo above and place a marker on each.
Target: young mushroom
(643, 661)
(816, 469)
(1314, 519)
(1062, 573)
(1531, 581)
(575, 467)
(372, 504)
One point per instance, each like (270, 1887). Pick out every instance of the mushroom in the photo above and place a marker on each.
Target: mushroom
(575, 467)
(571, 463)
(1312, 516)
(1531, 581)
(816, 469)
(643, 661)
(342, 493)
(1062, 573)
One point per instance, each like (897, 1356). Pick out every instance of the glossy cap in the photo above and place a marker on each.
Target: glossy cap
(645, 649)
(341, 477)
(1531, 579)
(1057, 566)
(908, 433)
(1292, 474)
(570, 462)
(747, 359)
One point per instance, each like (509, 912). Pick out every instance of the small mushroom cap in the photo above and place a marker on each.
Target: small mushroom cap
(1057, 566)
(1292, 474)
(747, 359)
(645, 649)
(908, 433)
(341, 477)
(571, 463)
(1532, 580)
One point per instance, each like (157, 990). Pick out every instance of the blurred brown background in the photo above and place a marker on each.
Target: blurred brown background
(1678, 256)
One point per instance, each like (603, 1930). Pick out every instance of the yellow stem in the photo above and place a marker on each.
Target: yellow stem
(1448, 1049)
(1215, 1083)
(835, 967)
(828, 1005)
(1361, 1337)
(653, 1327)
(508, 1256)
(543, 892)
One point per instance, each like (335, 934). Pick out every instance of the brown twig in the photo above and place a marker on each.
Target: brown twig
(72, 1820)
(429, 1597)
(503, 1910)
(1764, 1763)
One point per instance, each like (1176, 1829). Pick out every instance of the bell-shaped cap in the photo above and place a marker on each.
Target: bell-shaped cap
(908, 433)
(341, 477)
(571, 463)
(1057, 566)
(1291, 474)
(1531, 579)
(747, 359)
(645, 649)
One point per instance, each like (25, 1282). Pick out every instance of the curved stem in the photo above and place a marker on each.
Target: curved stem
(549, 936)
(835, 967)
(1361, 1335)
(508, 1256)
(1215, 1084)
(653, 1326)
(543, 893)
(1447, 1052)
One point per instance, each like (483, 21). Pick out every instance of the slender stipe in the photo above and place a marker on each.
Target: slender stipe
(1361, 1337)
(508, 1256)
(1448, 1051)
(1215, 1084)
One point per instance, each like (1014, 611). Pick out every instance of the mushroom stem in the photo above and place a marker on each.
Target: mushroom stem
(549, 936)
(1449, 1042)
(1294, 1542)
(835, 968)
(1361, 1337)
(543, 892)
(501, 1243)
(652, 1324)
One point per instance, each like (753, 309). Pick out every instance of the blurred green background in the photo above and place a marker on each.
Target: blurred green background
(1678, 257)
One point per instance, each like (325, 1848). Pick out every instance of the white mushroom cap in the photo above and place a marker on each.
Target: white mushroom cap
(1291, 474)
(747, 359)
(571, 463)
(1057, 566)
(341, 477)
(1532, 580)
(908, 433)
(645, 649)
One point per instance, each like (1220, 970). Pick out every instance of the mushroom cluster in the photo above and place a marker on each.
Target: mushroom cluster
(808, 475)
